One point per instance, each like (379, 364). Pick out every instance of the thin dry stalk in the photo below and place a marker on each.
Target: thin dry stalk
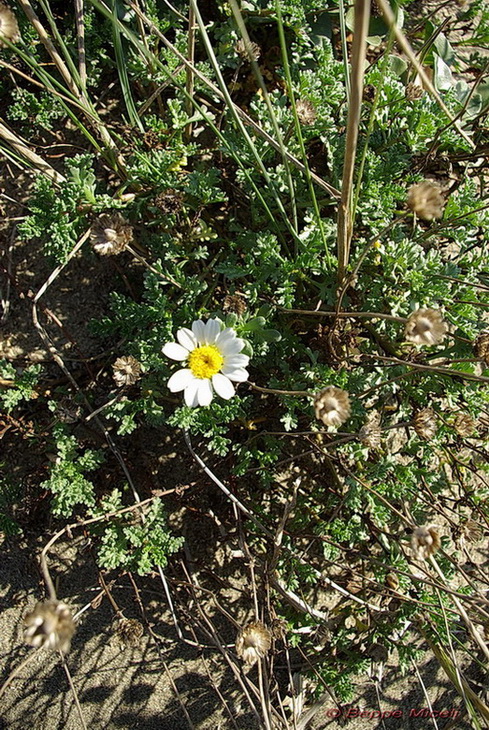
(6, 296)
(80, 27)
(49, 46)
(70, 82)
(189, 83)
(209, 629)
(359, 51)
(463, 613)
(24, 151)
(73, 690)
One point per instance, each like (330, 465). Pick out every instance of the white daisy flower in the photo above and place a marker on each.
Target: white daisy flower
(213, 357)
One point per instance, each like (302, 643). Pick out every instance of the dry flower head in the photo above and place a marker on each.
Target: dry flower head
(235, 303)
(248, 52)
(129, 631)
(253, 642)
(110, 234)
(425, 199)
(424, 423)
(425, 327)
(306, 112)
(370, 433)
(9, 28)
(169, 201)
(50, 625)
(481, 347)
(127, 370)
(464, 425)
(332, 406)
(425, 541)
(413, 92)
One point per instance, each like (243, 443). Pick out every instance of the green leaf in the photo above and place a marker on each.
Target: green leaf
(443, 79)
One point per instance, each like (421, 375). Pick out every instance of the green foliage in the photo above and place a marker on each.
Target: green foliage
(138, 540)
(35, 109)
(23, 384)
(67, 480)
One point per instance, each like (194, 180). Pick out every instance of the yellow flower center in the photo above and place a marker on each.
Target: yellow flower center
(205, 361)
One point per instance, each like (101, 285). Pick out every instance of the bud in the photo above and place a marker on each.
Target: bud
(425, 199)
(49, 625)
(253, 642)
(425, 327)
(110, 234)
(425, 541)
(424, 423)
(392, 581)
(127, 370)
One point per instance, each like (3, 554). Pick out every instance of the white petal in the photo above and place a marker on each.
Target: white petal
(191, 393)
(204, 393)
(226, 334)
(239, 375)
(231, 346)
(236, 361)
(175, 351)
(187, 338)
(180, 380)
(223, 386)
(198, 328)
(212, 329)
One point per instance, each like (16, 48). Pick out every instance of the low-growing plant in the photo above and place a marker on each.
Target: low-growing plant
(323, 357)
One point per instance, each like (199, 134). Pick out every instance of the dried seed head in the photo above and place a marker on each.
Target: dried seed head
(472, 531)
(332, 406)
(253, 642)
(50, 625)
(481, 347)
(152, 139)
(250, 52)
(68, 411)
(425, 199)
(370, 433)
(234, 303)
(127, 370)
(425, 541)
(278, 628)
(110, 234)
(464, 425)
(130, 631)
(8, 26)
(169, 201)
(413, 92)
(424, 423)
(306, 112)
(425, 327)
